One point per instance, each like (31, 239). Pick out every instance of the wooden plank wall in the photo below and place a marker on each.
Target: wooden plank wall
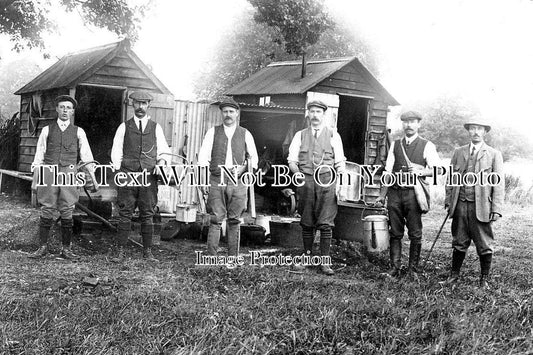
(28, 142)
(122, 71)
(347, 80)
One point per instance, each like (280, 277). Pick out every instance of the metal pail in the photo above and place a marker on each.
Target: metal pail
(376, 233)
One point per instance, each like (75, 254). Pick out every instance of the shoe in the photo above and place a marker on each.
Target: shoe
(66, 253)
(484, 282)
(147, 254)
(120, 255)
(327, 270)
(452, 279)
(39, 253)
(393, 272)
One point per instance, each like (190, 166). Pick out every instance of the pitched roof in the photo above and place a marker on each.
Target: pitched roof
(285, 78)
(75, 67)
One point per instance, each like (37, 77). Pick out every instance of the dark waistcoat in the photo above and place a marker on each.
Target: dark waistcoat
(139, 150)
(220, 146)
(414, 151)
(315, 151)
(61, 147)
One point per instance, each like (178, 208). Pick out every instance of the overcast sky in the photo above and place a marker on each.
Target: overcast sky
(478, 50)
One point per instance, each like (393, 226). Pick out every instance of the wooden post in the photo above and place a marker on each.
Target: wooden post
(304, 65)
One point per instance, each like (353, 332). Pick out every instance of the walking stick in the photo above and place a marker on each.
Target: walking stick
(435, 241)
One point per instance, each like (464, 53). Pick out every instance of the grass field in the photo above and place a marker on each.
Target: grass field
(175, 307)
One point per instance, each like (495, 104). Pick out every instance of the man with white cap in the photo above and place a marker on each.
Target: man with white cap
(402, 205)
(475, 205)
(311, 148)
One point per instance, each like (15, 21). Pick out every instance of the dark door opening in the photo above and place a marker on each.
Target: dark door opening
(99, 113)
(352, 127)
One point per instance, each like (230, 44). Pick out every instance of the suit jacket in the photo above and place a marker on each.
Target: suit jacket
(488, 198)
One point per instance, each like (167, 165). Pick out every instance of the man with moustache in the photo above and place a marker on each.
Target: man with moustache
(139, 145)
(58, 145)
(312, 147)
(402, 204)
(475, 208)
(230, 145)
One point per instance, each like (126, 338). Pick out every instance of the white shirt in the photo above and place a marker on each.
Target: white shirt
(477, 147)
(83, 144)
(430, 154)
(163, 151)
(204, 155)
(336, 145)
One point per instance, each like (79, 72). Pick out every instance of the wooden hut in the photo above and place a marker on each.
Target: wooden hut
(100, 79)
(275, 99)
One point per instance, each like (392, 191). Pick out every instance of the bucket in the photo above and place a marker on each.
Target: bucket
(376, 233)
(185, 213)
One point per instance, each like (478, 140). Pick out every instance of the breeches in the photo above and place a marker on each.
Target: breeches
(317, 205)
(404, 211)
(57, 198)
(467, 228)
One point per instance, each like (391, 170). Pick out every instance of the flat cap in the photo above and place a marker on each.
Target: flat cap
(478, 121)
(141, 96)
(62, 98)
(229, 102)
(317, 103)
(408, 115)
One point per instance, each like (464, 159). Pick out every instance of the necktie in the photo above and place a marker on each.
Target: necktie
(140, 126)
(473, 151)
(316, 133)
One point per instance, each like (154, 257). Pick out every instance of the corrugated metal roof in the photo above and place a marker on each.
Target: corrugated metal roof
(69, 68)
(284, 77)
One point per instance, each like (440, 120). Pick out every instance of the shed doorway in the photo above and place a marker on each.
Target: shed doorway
(352, 127)
(99, 113)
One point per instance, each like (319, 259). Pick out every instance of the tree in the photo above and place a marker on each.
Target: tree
(25, 21)
(250, 46)
(300, 22)
(14, 75)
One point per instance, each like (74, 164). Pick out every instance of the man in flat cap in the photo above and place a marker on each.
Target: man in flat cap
(59, 145)
(474, 206)
(313, 147)
(230, 145)
(402, 204)
(139, 145)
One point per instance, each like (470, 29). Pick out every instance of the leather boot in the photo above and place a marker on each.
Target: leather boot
(66, 240)
(213, 238)
(147, 232)
(457, 261)
(485, 261)
(395, 257)
(414, 259)
(325, 245)
(308, 239)
(234, 238)
(44, 230)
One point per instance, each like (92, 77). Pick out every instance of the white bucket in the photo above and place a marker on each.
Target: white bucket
(376, 233)
(186, 213)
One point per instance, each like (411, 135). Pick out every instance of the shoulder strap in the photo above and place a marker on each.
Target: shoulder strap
(405, 154)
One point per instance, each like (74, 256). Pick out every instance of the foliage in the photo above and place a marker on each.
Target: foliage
(26, 21)
(250, 46)
(9, 142)
(300, 22)
(14, 75)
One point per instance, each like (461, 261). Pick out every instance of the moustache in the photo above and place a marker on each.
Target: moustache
(140, 110)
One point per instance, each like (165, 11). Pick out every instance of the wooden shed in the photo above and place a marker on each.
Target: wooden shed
(358, 105)
(100, 79)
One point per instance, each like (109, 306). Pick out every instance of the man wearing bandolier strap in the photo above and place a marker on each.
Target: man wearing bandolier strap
(59, 145)
(474, 207)
(139, 145)
(402, 204)
(315, 146)
(229, 145)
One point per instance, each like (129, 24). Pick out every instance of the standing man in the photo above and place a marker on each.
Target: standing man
(139, 145)
(229, 145)
(402, 204)
(474, 207)
(312, 147)
(58, 146)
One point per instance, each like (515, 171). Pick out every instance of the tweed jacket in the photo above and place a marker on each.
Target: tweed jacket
(488, 198)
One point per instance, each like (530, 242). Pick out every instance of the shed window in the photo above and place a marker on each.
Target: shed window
(264, 100)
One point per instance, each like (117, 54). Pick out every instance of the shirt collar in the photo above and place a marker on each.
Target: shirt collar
(409, 140)
(62, 123)
(230, 129)
(319, 129)
(477, 146)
